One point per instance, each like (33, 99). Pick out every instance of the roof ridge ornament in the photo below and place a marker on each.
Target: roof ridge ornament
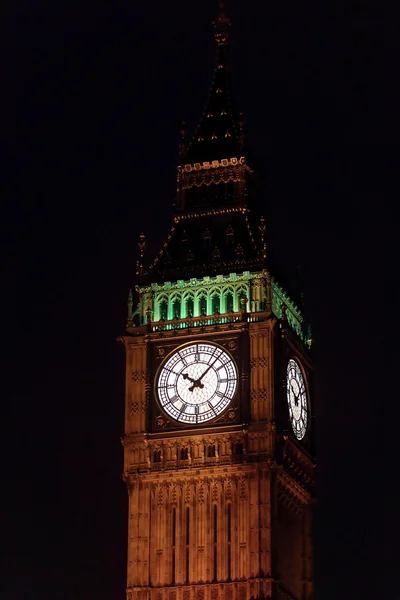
(221, 25)
(142, 247)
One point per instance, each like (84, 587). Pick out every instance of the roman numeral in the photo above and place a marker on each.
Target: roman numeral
(212, 408)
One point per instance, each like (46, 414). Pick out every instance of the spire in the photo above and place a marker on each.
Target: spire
(221, 25)
(218, 134)
(213, 225)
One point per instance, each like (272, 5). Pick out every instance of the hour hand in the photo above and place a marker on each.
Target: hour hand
(186, 376)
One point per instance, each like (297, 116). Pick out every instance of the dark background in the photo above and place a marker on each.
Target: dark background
(96, 100)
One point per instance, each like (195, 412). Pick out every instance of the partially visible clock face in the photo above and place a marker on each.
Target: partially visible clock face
(297, 399)
(197, 383)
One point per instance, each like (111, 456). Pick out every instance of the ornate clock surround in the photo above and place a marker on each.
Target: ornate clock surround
(237, 412)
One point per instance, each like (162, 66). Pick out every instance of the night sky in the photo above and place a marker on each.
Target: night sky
(95, 108)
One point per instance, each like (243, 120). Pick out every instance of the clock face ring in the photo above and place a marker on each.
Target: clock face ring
(197, 382)
(297, 399)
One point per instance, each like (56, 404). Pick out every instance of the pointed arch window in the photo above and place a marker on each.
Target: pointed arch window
(207, 238)
(238, 448)
(190, 307)
(164, 309)
(176, 308)
(230, 234)
(215, 304)
(203, 305)
(229, 302)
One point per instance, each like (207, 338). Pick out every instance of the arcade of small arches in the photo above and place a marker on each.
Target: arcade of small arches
(181, 301)
(194, 303)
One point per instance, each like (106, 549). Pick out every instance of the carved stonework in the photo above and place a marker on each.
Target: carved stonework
(188, 494)
(259, 394)
(258, 362)
(161, 421)
(215, 492)
(232, 345)
(200, 496)
(138, 376)
(242, 490)
(228, 490)
(173, 494)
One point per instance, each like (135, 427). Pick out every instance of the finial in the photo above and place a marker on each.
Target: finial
(130, 308)
(182, 139)
(221, 25)
(283, 320)
(241, 126)
(142, 246)
(262, 228)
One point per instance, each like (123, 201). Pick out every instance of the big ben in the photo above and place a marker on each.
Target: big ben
(219, 456)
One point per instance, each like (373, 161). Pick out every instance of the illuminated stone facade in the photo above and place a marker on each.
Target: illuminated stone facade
(221, 510)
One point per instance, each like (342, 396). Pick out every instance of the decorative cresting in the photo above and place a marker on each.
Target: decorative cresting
(213, 172)
(213, 300)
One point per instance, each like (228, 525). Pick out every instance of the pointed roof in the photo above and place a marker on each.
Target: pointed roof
(215, 230)
(219, 133)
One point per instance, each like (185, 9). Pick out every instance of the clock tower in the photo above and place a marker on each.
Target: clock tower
(219, 430)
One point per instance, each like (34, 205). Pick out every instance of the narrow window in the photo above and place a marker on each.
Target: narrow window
(189, 307)
(157, 456)
(239, 448)
(203, 305)
(215, 304)
(177, 309)
(187, 543)
(229, 302)
(215, 543)
(229, 541)
(184, 454)
(173, 526)
(173, 545)
(164, 310)
(211, 451)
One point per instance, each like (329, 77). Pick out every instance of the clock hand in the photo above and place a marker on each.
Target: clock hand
(196, 383)
(186, 376)
(206, 371)
(296, 398)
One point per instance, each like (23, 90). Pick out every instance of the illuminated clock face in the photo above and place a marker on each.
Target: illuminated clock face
(297, 399)
(197, 383)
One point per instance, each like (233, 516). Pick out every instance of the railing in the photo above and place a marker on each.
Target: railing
(203, 320)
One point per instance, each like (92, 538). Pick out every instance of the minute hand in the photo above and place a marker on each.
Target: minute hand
(206, 371)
